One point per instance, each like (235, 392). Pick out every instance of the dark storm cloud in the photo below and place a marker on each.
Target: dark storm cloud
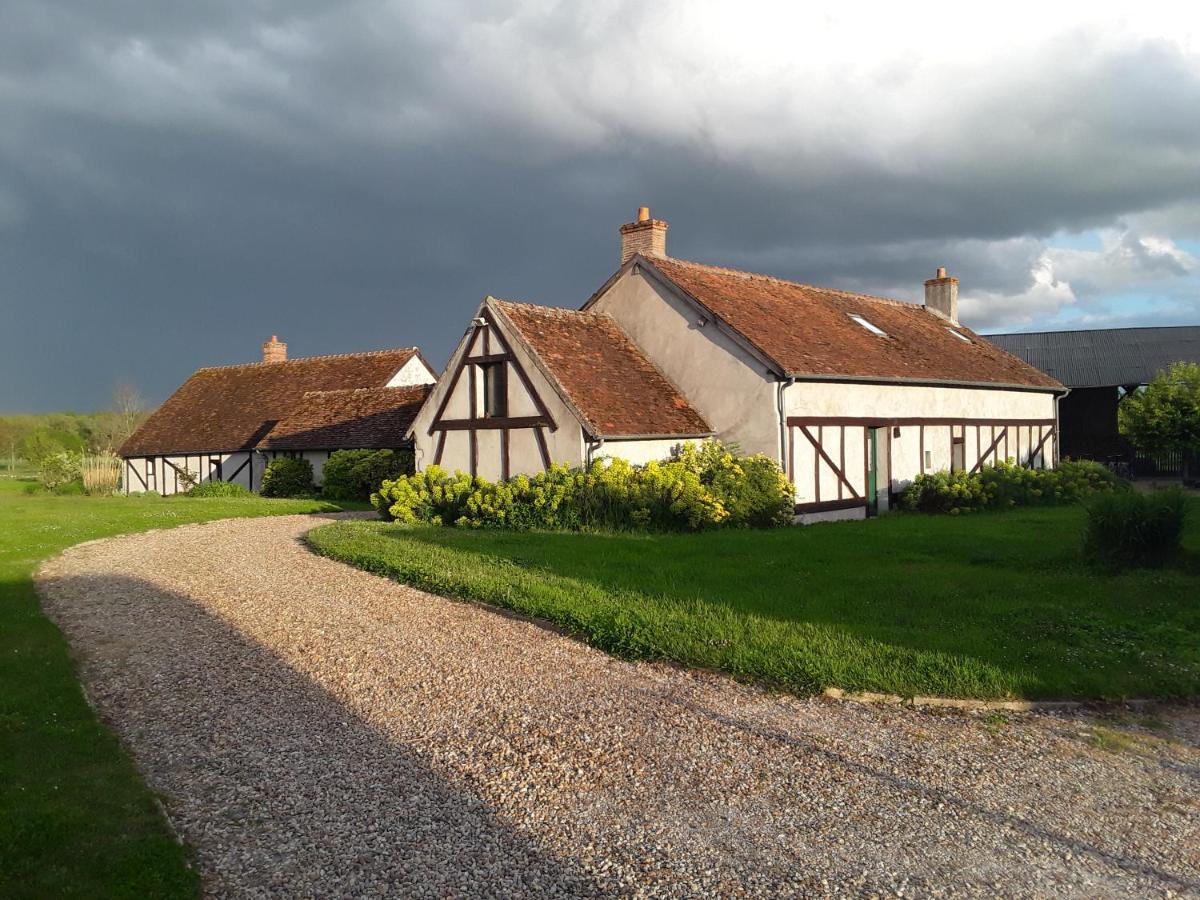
(179, 181)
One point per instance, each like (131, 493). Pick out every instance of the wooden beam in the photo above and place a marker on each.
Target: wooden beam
(537, 400)
(490, 424)
(880, 422)
(829, 505)
(825, 456)
(992, 446)
(542, 448)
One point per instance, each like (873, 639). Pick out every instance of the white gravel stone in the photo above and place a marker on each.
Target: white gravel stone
(317, 731)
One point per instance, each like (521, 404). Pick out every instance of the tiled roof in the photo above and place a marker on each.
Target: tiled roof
(807, 330)
(229, 408)
(360, 418)
(603, 374)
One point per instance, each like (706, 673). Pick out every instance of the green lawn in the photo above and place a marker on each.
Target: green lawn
(75, 818)
(990, 605)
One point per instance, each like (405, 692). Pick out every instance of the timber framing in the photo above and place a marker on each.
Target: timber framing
(829, 437)
(881, 421)
(487, 336)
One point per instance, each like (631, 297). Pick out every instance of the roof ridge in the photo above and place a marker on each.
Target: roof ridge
(1086, 330)
(298, 359)
(554, 310)
(758, 276)
(365, 390)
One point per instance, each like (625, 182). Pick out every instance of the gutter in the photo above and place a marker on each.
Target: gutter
(782, 385)
(1057, 428)
(931, 382)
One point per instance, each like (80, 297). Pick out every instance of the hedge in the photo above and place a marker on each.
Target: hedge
(286, 477)
(356, 474)
(1006, 485)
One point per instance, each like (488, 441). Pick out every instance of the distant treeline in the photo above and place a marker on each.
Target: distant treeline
(33, 437)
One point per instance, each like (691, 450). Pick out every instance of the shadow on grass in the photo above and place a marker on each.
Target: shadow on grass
(269, 776)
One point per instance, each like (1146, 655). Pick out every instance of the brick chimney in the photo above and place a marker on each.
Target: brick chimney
(646, 236)
(274, 350)
(941, 296)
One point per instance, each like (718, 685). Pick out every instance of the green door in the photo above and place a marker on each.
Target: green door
(872, 471)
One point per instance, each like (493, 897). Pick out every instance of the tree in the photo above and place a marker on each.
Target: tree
(114, 427)
(1165, 416)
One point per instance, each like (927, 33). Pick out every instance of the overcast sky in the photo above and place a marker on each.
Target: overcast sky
(179, 180)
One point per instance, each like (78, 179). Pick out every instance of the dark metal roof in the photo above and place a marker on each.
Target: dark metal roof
(1105, 357)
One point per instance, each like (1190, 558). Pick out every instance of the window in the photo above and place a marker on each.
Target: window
(874, 329)
(495, 390)
(928, 459)
(958, 334)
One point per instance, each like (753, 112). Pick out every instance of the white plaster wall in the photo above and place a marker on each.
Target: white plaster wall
(638, 452)
(834, 515)
(724, 383)
(564, 445)
(823, 398)
(412, 372)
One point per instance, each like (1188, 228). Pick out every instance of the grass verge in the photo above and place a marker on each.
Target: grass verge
(76, 820)
(993, 605)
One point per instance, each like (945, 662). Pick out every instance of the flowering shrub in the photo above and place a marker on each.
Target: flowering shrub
(694, 490)
(1006, 485)
(60, 471)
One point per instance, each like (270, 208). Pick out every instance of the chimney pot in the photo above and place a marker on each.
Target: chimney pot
(646, 236)
(941, 296)
(274, 350)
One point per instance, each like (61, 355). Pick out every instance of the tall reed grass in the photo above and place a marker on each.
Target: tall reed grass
(101, 473)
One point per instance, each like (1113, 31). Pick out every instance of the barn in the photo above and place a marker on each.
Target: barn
(1101, 367)
(854, 395)
(225, 423)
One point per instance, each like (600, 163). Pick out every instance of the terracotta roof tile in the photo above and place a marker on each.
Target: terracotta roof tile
(228, 408)
(807, 330)
(603, 374)
(360, 418)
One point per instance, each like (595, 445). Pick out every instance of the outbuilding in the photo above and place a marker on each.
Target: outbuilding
(225, 423)
(1101, 367)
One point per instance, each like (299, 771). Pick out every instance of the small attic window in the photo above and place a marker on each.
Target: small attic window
(958, 334)
(874, 329)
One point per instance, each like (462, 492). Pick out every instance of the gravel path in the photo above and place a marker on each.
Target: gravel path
(317, 731)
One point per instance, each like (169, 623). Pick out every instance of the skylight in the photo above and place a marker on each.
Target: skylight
(958, 334)
(874, 329)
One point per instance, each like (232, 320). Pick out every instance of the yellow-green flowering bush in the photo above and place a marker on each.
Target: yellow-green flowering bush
(1006, 485)
(693, 490)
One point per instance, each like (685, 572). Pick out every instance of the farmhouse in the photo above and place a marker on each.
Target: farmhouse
(225, 423)
(853, 395)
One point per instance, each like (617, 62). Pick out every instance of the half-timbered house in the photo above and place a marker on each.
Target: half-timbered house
(854, 395)
(530, 385)
(226, 423)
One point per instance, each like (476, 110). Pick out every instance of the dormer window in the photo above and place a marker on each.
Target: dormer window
(874, 329)
(958, 334)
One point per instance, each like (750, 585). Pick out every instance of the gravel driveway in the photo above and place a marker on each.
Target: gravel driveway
(317, 731)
